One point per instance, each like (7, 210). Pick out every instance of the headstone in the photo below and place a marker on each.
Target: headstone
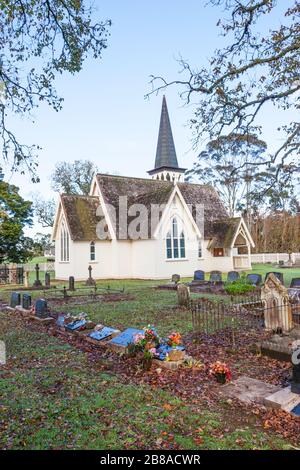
(175, 278)
(90, 281)
(199, 275)
(41, 309)
(26, 301)
(295, 385)
(15, 299)
(125, 338)
(183, 294)
(295, 283)
(215, 276)
(254, 279)
(100, 335)
(47, 280)
(278, 275)
(233, 276)
(277, 307)
(26, 279)
(71, 283)
(37, 282)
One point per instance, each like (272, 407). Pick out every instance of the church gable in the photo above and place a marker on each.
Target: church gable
(80, 213)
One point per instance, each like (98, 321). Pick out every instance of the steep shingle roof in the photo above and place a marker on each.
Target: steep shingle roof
(80, 212)
(165, 151)
(82, 220)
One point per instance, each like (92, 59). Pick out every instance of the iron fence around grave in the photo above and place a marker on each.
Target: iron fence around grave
(248, 313)
(88, 294)
(211, 316)
(9, 275)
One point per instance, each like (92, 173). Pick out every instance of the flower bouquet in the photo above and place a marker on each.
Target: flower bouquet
(221, 372)
(148, 356)
(173, 341)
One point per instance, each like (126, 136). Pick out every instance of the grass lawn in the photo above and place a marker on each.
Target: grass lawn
(147, 305)
(52, 397)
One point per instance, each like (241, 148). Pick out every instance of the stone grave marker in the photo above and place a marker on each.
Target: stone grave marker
(15, 299)
(37, 282)
(254, 279)
(183, 294)
(233, 276)
(125, 338)
(175, 278)
(277, 307)
(26, 279)
(41, 309)
(215, 276)
(26, 301)
(295, 385)
(71, 283)
(90, 281)
(295, 283)
(199, 275)
(47, 280)
(277, 274)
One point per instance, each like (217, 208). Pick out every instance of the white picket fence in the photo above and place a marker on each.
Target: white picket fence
(274, 257)
(44, 267)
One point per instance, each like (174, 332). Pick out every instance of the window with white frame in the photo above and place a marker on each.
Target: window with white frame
(64, 243)
(200, 253)
(92, 251)
(175, 241)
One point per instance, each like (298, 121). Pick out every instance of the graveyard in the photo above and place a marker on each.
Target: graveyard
(79, 377)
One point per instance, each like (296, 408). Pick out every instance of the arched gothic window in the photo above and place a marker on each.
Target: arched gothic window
(64, 243)
(175, 242)
(92, 251)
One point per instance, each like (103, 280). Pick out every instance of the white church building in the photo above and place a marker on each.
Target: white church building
(148, 228)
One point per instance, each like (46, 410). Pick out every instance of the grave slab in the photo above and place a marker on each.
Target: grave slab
(171, 365)
(124, 339)
(284, 399)
(248, 390)
(75, 325)
(44, 321)
(103, 336)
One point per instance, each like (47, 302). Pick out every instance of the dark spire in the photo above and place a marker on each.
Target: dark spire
(165, 151)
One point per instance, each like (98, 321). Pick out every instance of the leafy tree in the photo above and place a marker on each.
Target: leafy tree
(73, 178)
(38, 40)
(258, 66)
(41, 242)
(44, 210)
(15, 214)
(225, 164)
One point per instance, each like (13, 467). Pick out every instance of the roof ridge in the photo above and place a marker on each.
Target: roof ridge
(135, 178)
(78, 195)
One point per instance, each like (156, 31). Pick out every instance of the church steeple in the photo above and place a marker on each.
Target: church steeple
(166, 164)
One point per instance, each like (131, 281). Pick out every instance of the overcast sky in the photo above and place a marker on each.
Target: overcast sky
(105, 117)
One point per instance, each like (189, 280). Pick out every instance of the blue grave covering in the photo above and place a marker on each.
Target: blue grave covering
(296, 410)
(75, 325)
(126, 337)
(164, 349)
(99, 335)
